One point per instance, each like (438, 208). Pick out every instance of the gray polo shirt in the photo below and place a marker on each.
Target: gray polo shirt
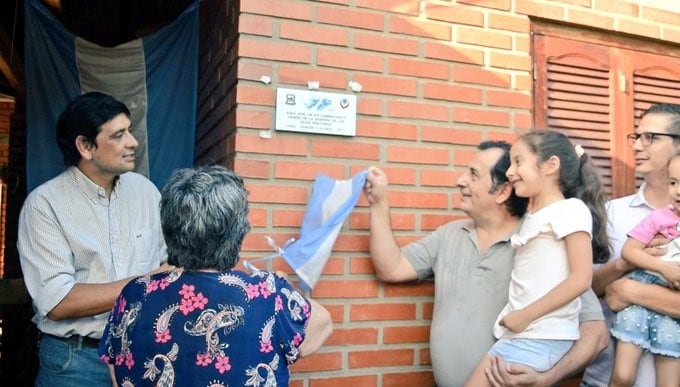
(470, 290)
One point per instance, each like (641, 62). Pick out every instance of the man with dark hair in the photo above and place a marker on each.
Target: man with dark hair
(85, 234)
(654, 142)
(471, 261)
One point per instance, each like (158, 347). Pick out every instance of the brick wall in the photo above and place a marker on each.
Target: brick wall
(6, 111)
(437, 77)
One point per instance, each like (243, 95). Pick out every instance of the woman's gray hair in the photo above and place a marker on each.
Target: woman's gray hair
(204, 215)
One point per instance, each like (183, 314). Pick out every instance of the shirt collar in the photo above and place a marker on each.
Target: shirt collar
(91, 190)
(638, 200)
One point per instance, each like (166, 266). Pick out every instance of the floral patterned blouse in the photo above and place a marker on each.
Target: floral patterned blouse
(211, 329)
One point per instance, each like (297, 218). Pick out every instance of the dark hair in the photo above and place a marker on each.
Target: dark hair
(578, 178)
(204, 216)
(84, 116)
(670, 109)
(516, 205)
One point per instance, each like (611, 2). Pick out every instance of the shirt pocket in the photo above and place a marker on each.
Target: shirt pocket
(148, 249)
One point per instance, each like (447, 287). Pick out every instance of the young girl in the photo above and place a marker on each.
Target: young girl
(554, 251)
(638, 328)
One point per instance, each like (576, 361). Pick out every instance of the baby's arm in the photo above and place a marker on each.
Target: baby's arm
(634, 253)
(580, 256)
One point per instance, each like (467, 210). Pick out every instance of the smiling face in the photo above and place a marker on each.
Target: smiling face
(476, 185)
(525, 172)
(654, 157)
(112, 154)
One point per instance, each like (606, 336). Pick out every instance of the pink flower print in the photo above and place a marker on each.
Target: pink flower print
(199, 301)
(119, 359)
(253, 291)
(153, 285)
(278, 304)
(163, 337)
(186, 306)
(104, 358)
(297, 339)
(264, 290)
(203, 360)
(266, 346)
(305, 309)
(187, 291)
(129, 361)
(164, 283)
(121, 305)
(222, 364)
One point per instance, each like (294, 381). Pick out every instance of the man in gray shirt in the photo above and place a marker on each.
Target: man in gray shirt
(471, 261)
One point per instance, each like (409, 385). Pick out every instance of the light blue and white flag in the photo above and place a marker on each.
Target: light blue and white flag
(331, 203)
(155, 76)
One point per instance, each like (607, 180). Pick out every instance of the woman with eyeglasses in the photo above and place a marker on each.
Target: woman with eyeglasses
(655, 141)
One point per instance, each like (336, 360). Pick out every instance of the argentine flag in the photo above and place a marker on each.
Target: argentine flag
(331, 203)
(155, 76)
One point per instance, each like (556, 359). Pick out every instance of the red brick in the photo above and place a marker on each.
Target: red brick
(253, 71)
(288, 9)
(618, 7)
(425, 111)
(484, 37)
(344, 381)
(503, 5)
(410, 334)
(450, 135)
(396, 6)
(255, 25)
(383, 358)
(349, 60)
(481, 116)
(284, 169)
(539, 8)
(652, 30)
(287, 218)
(255, 95)
(345, 289)
(343, 149)
(353, 336)
(454, 14)
(351, 243)
(277, 145)
(370, 106)
(424, 356)
(418, 155)
(448, 53)
(382, 312)
(419, 68)
(350, 18)
(258, 119)
(314, 33)
(590, 18)
(362, 265)
(386, 129)
(438, 178)
(257, 217)
(508, 99)
(523, 120)
(430, 222)
(408, 379)
(449, 92)
(276, 51)
(327, 78)
(419, 27)
(417, 199)
(400, 175)
(476, 75)
(399, 221)
(318, 362)
(409, 289)
(277, 194)
(385, 43)
(387, 85)
(515, 23)
(510, 61)
(256, 169)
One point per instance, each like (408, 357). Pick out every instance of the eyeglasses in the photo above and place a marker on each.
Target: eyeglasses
(647, 138)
